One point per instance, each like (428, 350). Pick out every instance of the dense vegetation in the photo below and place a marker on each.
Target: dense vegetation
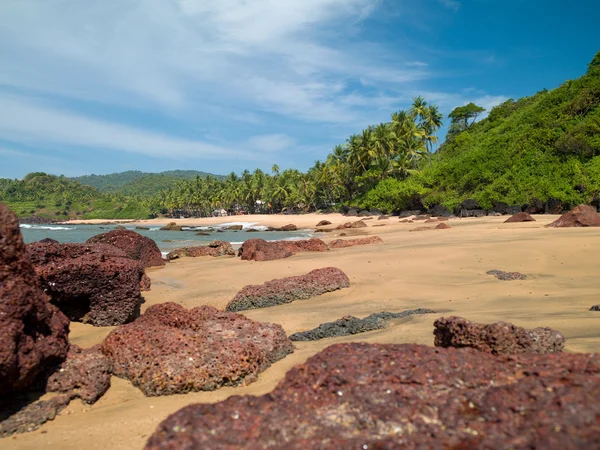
(546, 146)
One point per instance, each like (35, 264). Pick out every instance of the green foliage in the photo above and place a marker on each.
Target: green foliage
(393, 195)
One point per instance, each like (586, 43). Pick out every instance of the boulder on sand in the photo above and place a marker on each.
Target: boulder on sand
(367, 396)
(171, 226)
(580, 216)
(520, 217)
(322, 223)
(497, 338)
(287, 290)
(136, 246)
(172, 350)
(343, 243)
(215, 248)
(91, 283)
(289, 227)
(442, 226)
(33, 332)
(261, 250)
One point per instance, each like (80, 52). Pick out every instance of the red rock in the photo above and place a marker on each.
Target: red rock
(91, 283)
(357, 396)
(304, 245)
(443, 226)
(171, 350)
(322, 223)
(145, 283)
(33, 332)
(520, 217)
(23, 419)
(343, 243)
(261, 250)
(290, 227)
(136, 246)
(580, 216)
(497, 338)
(287, 290)
(215, 248)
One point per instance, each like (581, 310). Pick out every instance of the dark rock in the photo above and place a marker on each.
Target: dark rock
(352, 212)
(249, 230)
(535, 207)
(33, 332)
(595, 308)
(374, 396)
(596, 202)
(287, 290)
(507, 276)
(215, 249)
(422, 217)
(348, 325)
(431, 221)
(440, 211)
(520, 217)
(498, 338)
(91, 283)
(172, 226)
(23, 417)
(341, 243)
(580, 188)
(376, 212)
(142, 228)
(48, 241)
(205, 233)
(172, 350)
(136, 246)
(380, 225)
(235, 228)
(470, 204)
(364, 213)
(120, 228)
(554, 206)
(322, 230)
(409, 213)
(322, 223)
(472, 213)
(383, 217)
(580, 216)
(145, 283)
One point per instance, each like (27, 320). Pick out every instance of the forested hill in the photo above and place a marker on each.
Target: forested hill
(134, 182)
(544, 147)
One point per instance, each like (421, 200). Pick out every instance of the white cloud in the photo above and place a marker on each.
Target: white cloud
(271, 142)
(453, 5)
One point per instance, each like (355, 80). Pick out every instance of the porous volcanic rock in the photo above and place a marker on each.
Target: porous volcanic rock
(343, 243)
(33, 332)
(377, 396)
(497, 338)
(595, 308)
(215, 248)
(19, 417)
(580, 216)
(261, 250)
(348, 325)
(442, 226)
(507, 276)
(136, 246)
(171, 226)
(145, 283)
(171, 350)
(520, 217)
(48, 241)
(91, 283)
(322, 223)
(287, 290)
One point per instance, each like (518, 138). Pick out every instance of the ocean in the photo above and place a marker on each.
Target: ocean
(166, 240)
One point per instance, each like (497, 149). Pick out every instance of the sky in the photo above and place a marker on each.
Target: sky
(227, 85)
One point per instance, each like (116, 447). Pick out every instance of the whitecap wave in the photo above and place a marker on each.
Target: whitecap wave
(45, 227)
(245, 225)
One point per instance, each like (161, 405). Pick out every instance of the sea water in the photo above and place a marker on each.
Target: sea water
(166, 240)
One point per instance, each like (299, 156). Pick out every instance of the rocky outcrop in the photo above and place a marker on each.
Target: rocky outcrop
(580, 216)
(289, 227)
(367, 396)
(287, 290)
(499, 338)
(136, 246)
(322, 223)
(33, 332)
(357, 224)
(171, 350)
(172, 226)
(215, 248)
(520, 217)
(261, 250)
(348, 325)
(96, 283)
(343, 243)
(507, 276)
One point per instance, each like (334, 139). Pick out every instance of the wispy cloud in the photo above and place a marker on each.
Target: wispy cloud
(453, 5)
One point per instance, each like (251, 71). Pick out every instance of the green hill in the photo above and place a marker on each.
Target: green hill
(134, 182)
(544, 147)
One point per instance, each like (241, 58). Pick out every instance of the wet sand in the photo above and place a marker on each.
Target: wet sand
(444, 270)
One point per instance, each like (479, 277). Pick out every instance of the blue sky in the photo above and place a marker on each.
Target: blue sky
(222, 85)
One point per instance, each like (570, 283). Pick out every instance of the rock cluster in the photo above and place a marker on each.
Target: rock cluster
(171, 350)
(348, 325)
(343, 243)
(580, 216)
(96, 283)
(357, 224)
(368, 396)
(497, 338)
(136, 246)
(33, 332)
(215, 248)
(287, 290)
(507, 276)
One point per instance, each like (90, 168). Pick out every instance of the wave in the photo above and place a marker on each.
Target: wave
(245, 225)
(45, 227)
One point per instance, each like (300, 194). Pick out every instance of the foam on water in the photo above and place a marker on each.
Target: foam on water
(45, 227)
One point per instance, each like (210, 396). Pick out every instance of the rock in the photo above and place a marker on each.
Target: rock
(261, 250)
(430, 221)
(595, 308)
(422, 217)
(470, 204)
(380, 225)
(304, 245)
(520, 217)
(33, 332)
(580, 216)
(290, 227)
(287, 290)
(376, 212)
(322, 230)
(348, 325)
(554, 206)
(443, 219)
(22, 417)
(341, 243)
(367, 396)
(405, 221)
(85, 374)
(145, 283)
(235, 228)
(442, 226)
(440, 211)
(171, 226)
(503, 209)
(205, 233)
(596, 201)
(249, 230)
(172, 350)
(358, 224)
(120, 228)
(352, 212)
(536, 207)
(343, 234)
(472, 213)
(136, 246)
(499, 338)
(507, 276)
(142, 228)
(215, 249)
(364, 213)
(322, 223)
(410, 213)
(383, 217)
(422, 229)
(48, 241)
(91, 283)
(344, 226)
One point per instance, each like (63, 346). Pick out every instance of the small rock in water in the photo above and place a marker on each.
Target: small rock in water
(507, 276)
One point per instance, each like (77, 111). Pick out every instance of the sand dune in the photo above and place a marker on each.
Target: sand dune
(444, 270)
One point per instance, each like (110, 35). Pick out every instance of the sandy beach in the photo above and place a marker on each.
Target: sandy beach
(444, 270)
